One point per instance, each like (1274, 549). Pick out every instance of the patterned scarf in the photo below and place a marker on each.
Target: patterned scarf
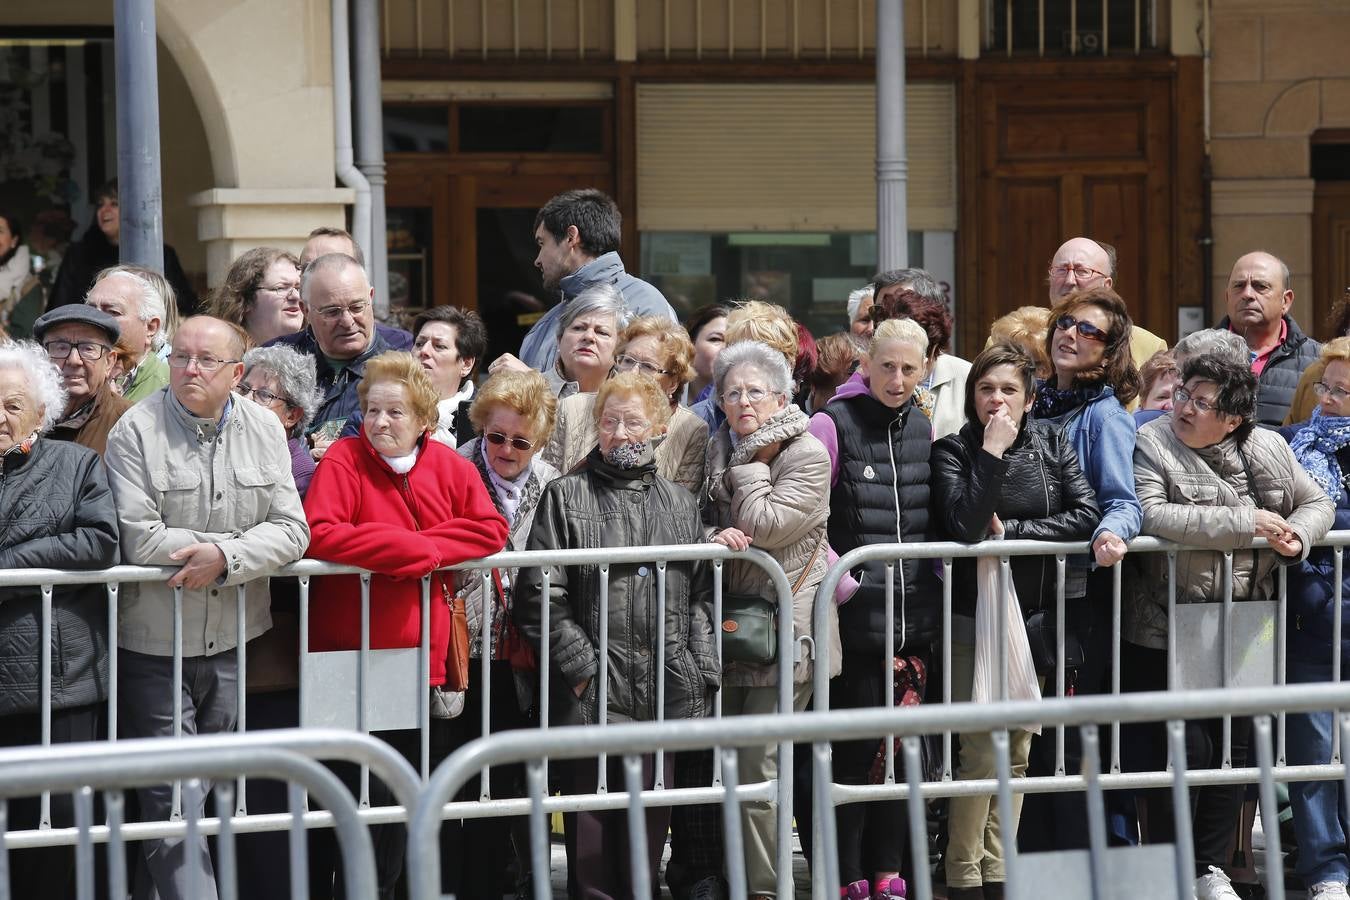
(909, 680)
(1051, 402)
(1315, 446)
(924, 400)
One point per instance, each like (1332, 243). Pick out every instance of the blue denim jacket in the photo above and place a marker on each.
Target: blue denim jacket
(1103, 435)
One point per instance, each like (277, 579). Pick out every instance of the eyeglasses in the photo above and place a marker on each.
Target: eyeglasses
(610, 424)
(754, 395)
(90, 351)
(334, 314)
(1080, 272)
(1322, 389)
(262, 395)
(1085, 329)
(1181, 396)
(206, 364)
(496, 437)
(284, 290)
(626, 363)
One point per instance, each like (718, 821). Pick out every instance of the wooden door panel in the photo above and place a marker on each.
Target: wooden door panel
(1033, 132)
(1033, 219)
(1113, 208)
(1331, 251)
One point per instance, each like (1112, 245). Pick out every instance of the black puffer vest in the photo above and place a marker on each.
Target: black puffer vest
(882, 497)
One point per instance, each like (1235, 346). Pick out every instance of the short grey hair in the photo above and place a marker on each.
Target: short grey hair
(598, 298)
(329, 262)
(856, 298)
(755, 355)
(920, 281)
(1218, 342)
(296, 376)
(44, 379)
(155, 296)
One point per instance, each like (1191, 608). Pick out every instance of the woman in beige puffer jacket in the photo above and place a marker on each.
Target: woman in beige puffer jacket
(768, 486)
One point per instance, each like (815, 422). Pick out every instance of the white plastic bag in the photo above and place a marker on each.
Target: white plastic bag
(1022, 683)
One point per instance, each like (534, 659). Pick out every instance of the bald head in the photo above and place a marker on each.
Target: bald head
(1259, 296)
(1080, 263)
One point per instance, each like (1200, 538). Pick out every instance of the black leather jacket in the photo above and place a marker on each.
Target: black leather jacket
(1037, 490)
(603, 506)
(56, 512)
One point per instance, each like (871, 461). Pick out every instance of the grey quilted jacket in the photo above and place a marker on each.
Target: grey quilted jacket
(56, 512)
(603, 506)
(1208, 498)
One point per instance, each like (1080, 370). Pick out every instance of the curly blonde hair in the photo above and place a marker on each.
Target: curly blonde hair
(1027, 327)
(527, 394)
(635, 384)
(403, 368)
(678, 350)
(768, 323)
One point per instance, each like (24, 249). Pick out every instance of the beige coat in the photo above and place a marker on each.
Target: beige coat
(1203, 498)
(949, 394)
(679, 455)
(180, 481)
(783, 506)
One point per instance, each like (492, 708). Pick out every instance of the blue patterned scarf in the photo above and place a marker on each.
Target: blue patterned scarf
(1051, 402)
(1315, 446)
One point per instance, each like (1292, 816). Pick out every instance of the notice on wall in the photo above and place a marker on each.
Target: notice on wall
(678, 254)
(1189, 320)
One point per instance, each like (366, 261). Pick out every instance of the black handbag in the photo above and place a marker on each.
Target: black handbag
(1042, 638)
(750, 623)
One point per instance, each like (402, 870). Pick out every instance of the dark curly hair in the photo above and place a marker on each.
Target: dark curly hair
(1117, 368)
(1003, 353)
(1236, 388)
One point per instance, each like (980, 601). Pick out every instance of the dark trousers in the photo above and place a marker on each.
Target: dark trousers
(873, 837)
(264, 859)
(477, 854)
(1215, 810)
(146, 708)
(46, 871)
(598, 856)
(696, 848)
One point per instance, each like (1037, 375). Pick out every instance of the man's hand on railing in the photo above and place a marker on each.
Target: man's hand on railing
(1109, 549)
(202, 564)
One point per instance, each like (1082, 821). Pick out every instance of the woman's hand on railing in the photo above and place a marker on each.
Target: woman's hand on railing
(1109, 549)
(732, 538)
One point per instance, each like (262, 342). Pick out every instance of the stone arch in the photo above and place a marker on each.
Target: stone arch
(1296, 110)
(175, 37)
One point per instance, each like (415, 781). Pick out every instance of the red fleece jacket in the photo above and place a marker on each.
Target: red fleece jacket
(401, 527)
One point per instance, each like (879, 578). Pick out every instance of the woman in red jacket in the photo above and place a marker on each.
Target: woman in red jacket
(403, 506)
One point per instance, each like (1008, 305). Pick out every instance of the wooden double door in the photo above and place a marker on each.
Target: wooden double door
(467, 237)
(1053, 150)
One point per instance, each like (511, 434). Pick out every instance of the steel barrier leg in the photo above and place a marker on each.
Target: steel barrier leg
(227, 873)
(826, 847)
(921, 879)
(1181, 810)
(1270, 817)
(4, 848)
(637, 827)
(84, 852)
(539, 844)
(1008, 824)
(115, 801)
(1096, 810)
(734, 839)
(298, 844)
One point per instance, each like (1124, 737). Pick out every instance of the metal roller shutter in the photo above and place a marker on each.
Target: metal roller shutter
(786, 157)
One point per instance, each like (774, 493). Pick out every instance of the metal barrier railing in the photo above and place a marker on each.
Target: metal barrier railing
(285, 756)
(821, 728)
(367, 692)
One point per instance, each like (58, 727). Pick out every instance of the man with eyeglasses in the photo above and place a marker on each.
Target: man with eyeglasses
(202, 480)
(1081, 263)
(135, 297)
(78, 339)
(341, 336)
(1259, 296)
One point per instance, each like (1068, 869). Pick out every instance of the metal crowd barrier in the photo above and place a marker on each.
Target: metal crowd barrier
(1092, 873)
(371, 683)
(1194, 670)
(114, 767)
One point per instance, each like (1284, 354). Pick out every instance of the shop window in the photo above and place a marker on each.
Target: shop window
(416, 129)
(531, 128)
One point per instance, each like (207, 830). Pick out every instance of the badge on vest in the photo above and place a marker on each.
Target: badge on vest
(869, 472)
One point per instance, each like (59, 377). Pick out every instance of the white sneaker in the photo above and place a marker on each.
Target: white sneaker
(1215, 886)
(1328, 890)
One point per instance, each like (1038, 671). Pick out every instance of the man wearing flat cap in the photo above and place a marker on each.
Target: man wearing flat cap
(78, 340)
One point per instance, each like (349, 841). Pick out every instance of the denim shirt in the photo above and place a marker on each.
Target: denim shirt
(1103, 433)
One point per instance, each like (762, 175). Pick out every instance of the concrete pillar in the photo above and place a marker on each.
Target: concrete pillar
(892, 166)
(138, 183)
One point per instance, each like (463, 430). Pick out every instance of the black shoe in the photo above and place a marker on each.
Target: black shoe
(710, 888)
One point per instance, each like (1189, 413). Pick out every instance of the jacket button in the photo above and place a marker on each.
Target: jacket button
(220, 495)
(214, 592)
(210, 645)
(642, 570)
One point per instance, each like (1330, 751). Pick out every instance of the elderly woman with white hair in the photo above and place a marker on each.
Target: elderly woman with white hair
(768, 486)
(58, 513)
(285, 381)
(588, 332)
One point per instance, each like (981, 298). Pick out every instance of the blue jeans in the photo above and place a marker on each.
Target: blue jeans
(1318, 805)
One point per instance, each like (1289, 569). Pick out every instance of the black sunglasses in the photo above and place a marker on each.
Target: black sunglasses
(496, 437)
(1086, 329)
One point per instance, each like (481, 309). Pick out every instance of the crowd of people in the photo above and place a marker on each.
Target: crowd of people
(280, 420)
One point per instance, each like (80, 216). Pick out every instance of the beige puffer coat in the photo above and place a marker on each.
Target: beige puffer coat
(783, 506)
(1205, 498)
(679, 454)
